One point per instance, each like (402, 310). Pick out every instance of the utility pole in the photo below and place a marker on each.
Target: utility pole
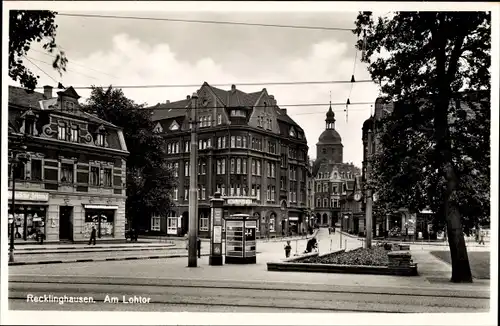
(193, 185)
(369, 199)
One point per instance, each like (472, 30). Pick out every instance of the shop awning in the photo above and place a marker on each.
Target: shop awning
(100, 207)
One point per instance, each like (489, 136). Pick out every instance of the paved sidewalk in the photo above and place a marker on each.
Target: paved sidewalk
(469, 242)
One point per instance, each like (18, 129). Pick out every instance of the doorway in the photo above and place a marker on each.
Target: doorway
(66, 223)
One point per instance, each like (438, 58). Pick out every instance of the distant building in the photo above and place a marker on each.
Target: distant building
(76, 175)
(334, 181)
(250, 150)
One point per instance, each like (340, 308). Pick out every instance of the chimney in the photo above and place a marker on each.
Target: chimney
(168, 101)
(188, 97)
(233, 87)
(47, 92)
(284, 110)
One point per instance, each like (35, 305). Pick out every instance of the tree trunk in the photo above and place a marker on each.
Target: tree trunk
(460, 267)
(461, 272)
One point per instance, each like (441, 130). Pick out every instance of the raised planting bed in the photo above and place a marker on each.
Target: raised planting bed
(376, 260)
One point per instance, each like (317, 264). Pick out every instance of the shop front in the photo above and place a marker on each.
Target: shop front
(102, 217)
(29, 216)
(293, 224)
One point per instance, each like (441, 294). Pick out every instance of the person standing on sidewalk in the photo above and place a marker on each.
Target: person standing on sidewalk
(288, 249)
(92, 235)
(198, 246)
(481, 236)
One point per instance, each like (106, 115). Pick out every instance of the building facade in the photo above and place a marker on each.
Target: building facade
(249, 150)
(75, 177)
(334, 181)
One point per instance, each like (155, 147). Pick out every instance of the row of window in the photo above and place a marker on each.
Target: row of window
(266, 123)
(234, 190)
(324, 188)
(237, 166)
(343, 175)
(235, 142)
(334, 203)
(72, 134)
(66, 173)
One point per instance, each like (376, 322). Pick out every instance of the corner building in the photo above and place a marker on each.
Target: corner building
(76, 175)
(250, 151)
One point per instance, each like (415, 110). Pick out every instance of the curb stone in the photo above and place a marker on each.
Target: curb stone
(95, 260)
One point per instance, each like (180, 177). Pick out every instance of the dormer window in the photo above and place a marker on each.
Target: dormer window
(219, 119)
(238, 113)
(61, 132)
(100, 139)
(158, 128)
(292, 133)
(101, 136)
(74, 134)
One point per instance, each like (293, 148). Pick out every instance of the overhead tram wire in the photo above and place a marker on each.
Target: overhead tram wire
(228, 84)
(343, 29)
(76, 72)
(76, 63)
(34, 64)
(153, 108)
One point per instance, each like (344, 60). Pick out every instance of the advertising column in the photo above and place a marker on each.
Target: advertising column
(215, 258)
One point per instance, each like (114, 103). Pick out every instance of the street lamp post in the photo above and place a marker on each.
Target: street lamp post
(369, 199)
(16, 159)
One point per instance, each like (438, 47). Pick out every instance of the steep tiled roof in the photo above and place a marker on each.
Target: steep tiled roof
(21, 97)
(282, 116)
(169, 110)
(27, 99)
(229, 98)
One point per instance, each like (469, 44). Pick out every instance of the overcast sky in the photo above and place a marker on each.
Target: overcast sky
(138, 52)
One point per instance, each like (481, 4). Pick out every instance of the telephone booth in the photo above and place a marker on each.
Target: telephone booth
(240, 239)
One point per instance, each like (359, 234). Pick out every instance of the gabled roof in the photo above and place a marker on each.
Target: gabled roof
(70, 91)
(229, 98)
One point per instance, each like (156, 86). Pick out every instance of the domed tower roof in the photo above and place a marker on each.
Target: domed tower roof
(330, 136)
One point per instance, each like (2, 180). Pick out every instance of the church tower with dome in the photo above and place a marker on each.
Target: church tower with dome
(334, 180)
(329, 145)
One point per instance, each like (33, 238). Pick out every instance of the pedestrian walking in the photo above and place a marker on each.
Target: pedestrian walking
(198, 246)
(333, 229)
(92, 235)
(288, 249)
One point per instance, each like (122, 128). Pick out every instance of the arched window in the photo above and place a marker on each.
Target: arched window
(319, 202)
(325, 202)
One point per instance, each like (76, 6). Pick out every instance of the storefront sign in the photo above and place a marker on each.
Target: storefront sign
(239, 201)
(100, 207)
(30, 196)
(293, 218)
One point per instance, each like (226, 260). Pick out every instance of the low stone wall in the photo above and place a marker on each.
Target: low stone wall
(400, 263)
